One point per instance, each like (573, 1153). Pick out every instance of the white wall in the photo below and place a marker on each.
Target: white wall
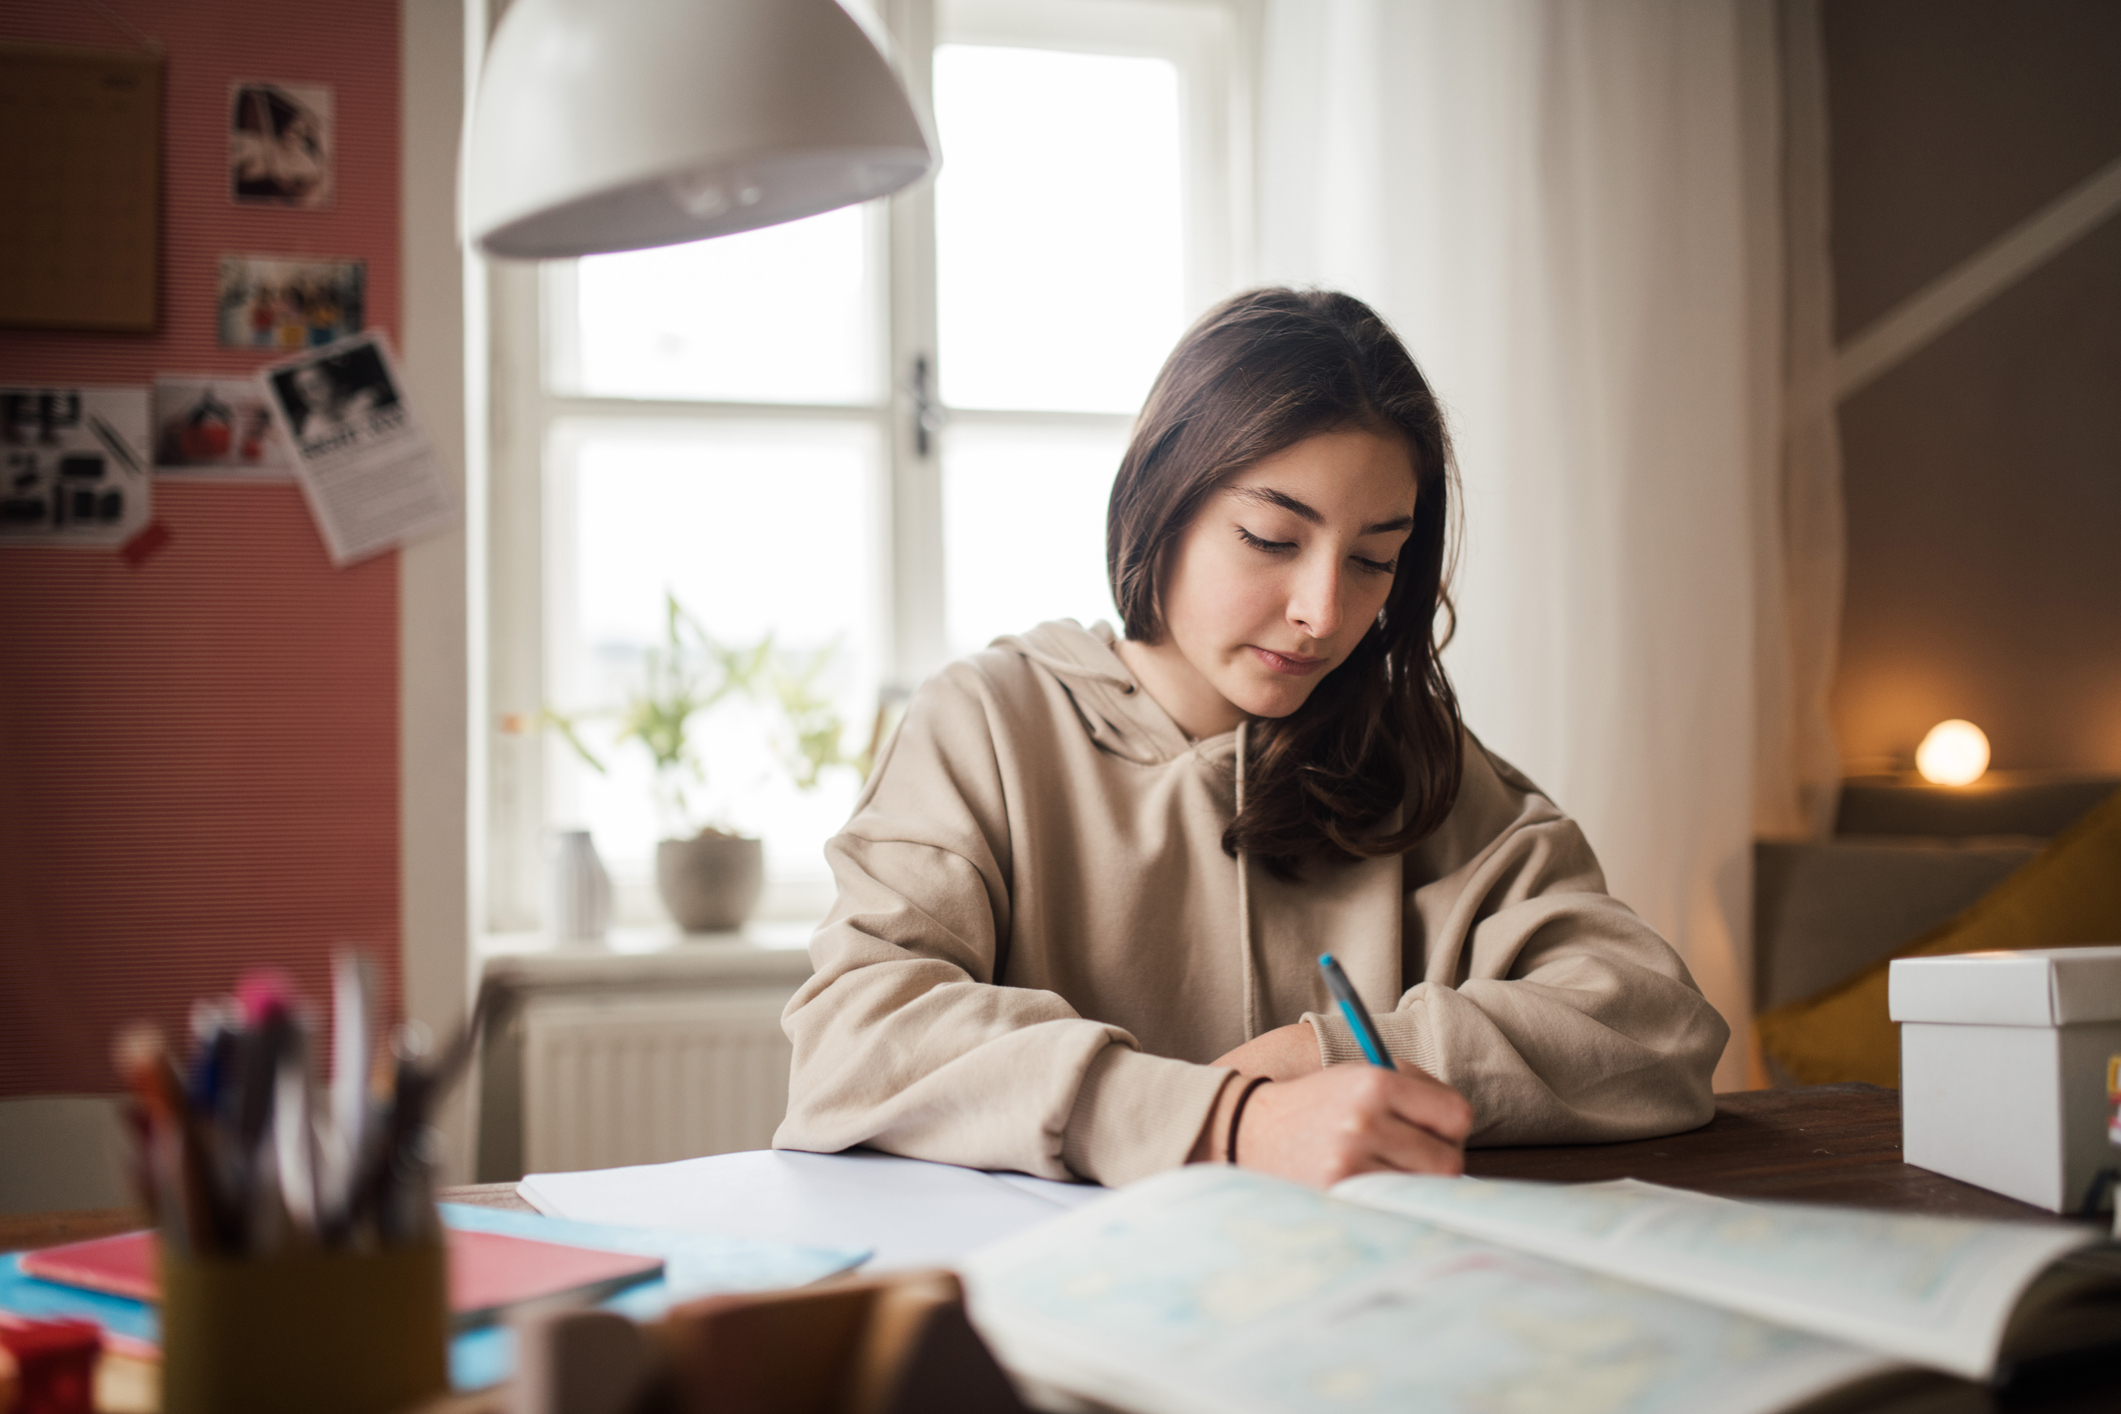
(435, 643)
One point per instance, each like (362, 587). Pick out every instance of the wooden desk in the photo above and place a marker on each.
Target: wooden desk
(1815, 1144)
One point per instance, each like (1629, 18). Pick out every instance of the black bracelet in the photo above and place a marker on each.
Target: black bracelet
(1237, 1112)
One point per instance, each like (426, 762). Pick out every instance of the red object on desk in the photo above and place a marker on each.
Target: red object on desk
(55, 1365)
(488, 1271)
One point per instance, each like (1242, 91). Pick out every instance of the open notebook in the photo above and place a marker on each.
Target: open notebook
(1217, 1289)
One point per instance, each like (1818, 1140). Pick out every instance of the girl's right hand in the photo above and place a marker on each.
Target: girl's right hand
(1344, 1120)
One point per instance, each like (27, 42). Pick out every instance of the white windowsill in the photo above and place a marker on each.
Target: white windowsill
(762, 951)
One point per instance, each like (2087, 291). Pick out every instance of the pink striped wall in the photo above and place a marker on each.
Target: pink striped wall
(199, 756)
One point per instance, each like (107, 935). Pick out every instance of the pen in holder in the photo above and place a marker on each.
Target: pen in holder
(302, 1258)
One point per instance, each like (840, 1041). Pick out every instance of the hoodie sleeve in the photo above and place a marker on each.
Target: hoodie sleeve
(1555, 1010)
(903, 1038)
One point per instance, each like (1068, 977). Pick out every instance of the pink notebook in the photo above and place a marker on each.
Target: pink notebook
(488, 1272)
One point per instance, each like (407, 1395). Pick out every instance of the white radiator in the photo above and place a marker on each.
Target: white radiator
(632, 1080)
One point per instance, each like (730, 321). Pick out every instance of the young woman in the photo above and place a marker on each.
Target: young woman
(1082, 899)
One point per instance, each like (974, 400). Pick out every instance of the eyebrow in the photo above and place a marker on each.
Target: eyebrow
(1267, 495)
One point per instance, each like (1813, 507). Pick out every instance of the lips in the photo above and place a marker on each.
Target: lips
(1294, 665)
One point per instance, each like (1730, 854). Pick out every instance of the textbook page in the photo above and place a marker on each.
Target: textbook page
(1937, 1291)
(904, 1212)
(1216, 1289)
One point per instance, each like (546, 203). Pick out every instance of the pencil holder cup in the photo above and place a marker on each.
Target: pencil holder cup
(325, 1332)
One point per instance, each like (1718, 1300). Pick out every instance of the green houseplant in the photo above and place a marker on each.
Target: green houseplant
(709, 876)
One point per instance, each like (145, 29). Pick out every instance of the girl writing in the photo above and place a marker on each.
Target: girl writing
(1081, 900)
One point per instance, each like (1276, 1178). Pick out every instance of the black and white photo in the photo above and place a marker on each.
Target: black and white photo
(337, 396)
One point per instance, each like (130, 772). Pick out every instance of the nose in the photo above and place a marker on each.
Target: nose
(1314, 600)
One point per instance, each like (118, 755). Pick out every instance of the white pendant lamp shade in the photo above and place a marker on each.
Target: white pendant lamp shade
(606, 125)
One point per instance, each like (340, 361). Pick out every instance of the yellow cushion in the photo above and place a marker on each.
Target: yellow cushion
(2068, 896)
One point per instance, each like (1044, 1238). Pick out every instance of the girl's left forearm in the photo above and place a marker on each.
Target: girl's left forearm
(1285, 1053)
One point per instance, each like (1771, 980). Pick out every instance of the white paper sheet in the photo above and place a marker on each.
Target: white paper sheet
(906, 1212)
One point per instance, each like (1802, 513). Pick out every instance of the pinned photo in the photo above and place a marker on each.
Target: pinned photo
(289, 303)
(218, 427)
(329, 400)
(279, 144)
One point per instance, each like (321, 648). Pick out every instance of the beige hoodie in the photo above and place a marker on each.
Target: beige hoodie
(1039, 943)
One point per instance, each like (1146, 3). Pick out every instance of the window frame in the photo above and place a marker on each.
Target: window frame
(1212, 41)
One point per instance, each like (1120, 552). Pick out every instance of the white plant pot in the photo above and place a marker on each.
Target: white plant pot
(710, 883)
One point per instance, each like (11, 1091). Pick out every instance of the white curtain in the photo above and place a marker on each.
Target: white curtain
(1568, 209)
(1803, 544)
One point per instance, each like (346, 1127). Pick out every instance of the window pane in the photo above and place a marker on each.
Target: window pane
(756, 530)
(787, 314)
(1024, 529)
(1059, 254)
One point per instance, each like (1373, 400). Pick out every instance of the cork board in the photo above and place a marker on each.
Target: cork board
(80, 158)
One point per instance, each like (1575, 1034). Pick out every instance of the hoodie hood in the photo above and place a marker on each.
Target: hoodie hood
(1123, 720)
(1115, 710)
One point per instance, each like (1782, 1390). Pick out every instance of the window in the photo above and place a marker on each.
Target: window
(883, 435)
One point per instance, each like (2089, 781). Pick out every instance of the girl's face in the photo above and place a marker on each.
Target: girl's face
(1279, 577)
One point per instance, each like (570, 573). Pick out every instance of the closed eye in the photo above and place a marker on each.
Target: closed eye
(1272, 547)
(1377, 566)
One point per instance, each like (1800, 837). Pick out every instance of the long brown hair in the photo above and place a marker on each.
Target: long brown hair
(1259, 373)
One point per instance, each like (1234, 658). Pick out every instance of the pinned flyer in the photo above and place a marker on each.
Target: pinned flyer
(363, 460)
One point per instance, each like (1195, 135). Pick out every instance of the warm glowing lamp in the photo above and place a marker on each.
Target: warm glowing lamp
(1955, 753)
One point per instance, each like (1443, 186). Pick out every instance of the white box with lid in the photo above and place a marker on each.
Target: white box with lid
(2003, 1068)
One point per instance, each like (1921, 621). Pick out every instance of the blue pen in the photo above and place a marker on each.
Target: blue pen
(1373, 1045)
